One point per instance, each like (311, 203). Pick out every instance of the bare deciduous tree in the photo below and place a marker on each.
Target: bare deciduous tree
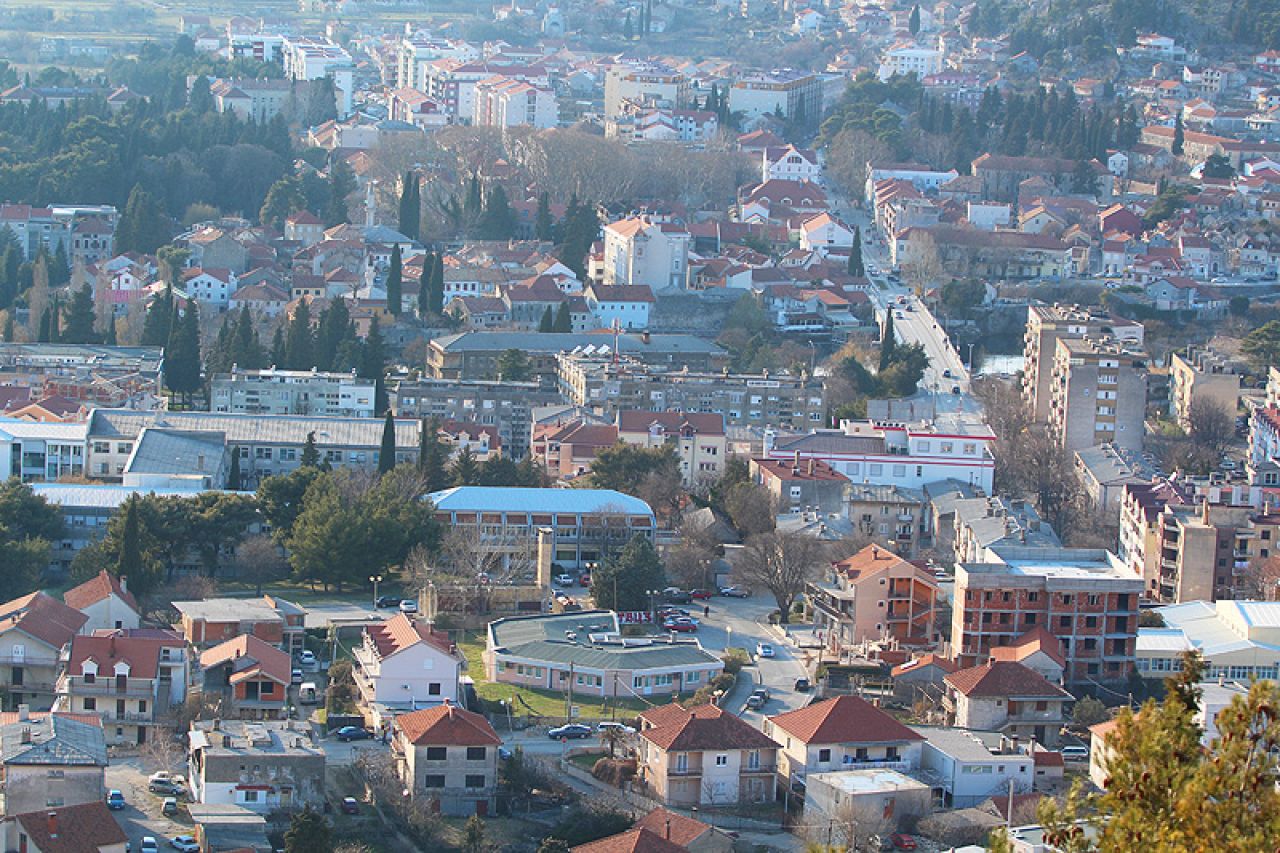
(1210, 426)
(261, 559)
(781, 563)
(1260, 580)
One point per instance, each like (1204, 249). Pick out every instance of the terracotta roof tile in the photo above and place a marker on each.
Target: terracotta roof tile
(706, 727)
(96, 589)
(449, 725)
(85, 828)
(43, 618)
(1035, 640)
(141, 654)
(1004, 678)
(250, 656)
(844, 719)
(673, 826)
(638, 840)
(400, 632)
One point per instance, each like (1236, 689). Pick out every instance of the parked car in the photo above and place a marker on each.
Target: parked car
(148, 845)
(680, 625)
(295, 677)
(166, 787)
(758, 698)
(802, 685)
(505, 753)
(573, 731)
(349, 733)
(169, 806)
(902, 841)
(564, 580)
(955, 389)
(676, 596)
(1076, 752)
(609, 725)
(385, 601)
(1228, 465)
(350, 806)
(408, 606)
(764, 650)
(735, 592)
(701, 594)
(306, 657)
(185, 844)
(584, 579)
(115, 800)
(947, 373)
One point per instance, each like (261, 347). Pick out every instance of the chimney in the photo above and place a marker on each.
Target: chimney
(667, 830)
(26, 734)
(53, 824)
(24, 712)
(124, 583)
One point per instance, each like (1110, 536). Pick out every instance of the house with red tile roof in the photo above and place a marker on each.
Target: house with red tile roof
(685, 832)
(33, 630)
(448, 755)
(404, 664)
(876, 594)
(119, 677)
(84, 828)
(1038, 650)
(106, 601)
(252, 676)
(1008, 697)
(704, 756)
(843, 733)
(698, 439)
(801, 484)
(636, 840)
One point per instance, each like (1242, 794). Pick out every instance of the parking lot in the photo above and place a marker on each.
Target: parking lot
(141, 814)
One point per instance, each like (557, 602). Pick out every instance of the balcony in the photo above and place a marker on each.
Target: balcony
(1033, 716)
(684, 773)
(137, 689)
(8, 658)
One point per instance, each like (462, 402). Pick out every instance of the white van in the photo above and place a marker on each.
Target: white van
(1075, 753)
(307, 693)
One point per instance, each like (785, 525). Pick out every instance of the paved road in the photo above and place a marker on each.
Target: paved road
(141, 816)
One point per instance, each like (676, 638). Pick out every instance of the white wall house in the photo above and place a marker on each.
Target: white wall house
(403, 665)
(638, 250)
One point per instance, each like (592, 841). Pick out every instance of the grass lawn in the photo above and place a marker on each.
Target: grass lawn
(587, 760)
(546, 703)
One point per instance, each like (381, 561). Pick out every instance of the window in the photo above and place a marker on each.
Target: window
(824, 755)
(475, 780)
(250, 796)
(433, 781)
(433, 689)
(722, 760)
(436, 753)
(476, 753)
(90, 703)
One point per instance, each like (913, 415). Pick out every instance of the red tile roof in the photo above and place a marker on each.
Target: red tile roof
(400, 632)
(249, 657)
(43, 618)
(844, 719)
(808, 469)
(1004, 679)
(1035, 640)
(96, 589)
(447, 725)
(1047, 758)
(701, 423)
(638, 840)
(704, 727)
(672, 826)
(85, 828)
(945, 664)
(142, 655)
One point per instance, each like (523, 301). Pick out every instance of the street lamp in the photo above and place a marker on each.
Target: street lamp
(375, 580)
(653, 606)
(970, 357)
(728, 637)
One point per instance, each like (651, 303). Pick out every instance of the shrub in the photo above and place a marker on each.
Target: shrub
(590, 822)
(614, 771)
(735, 659)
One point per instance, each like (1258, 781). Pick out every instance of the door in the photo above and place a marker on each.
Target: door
(482, 808)
(142, 735)
(1039, 734)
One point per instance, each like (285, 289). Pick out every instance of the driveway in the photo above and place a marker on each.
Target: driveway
(141, 816)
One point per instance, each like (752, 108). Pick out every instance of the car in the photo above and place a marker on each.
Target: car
(572, 731)
(1075, 752)
(701, 594)
(1228, 465)
(880, 842)
(610, 726)
(295, 677)
(897, 315)
(185, 844)
(758, 698)
(911, 308)
(408, 606)
(955, 389)
(681, 626)
(115, 800)
(584, 579)
(764, 650)
(735, 592)
(902, 841)
(676, 596)
(385, 601)
(166, 787)
(350, 806)
(306, 657)
(149, 845)
(803, 685)
(349, 733)
(505, 753)
(169, 806)
(564, 580)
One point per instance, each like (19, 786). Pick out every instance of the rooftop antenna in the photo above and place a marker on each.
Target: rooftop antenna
(617, 331)
(369, 206)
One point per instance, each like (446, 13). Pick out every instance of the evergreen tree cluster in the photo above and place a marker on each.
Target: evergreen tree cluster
(411, 206)
(431, 286)
(485, 215)
(581, 229)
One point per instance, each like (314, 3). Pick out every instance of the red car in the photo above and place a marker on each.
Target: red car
(701, 594)
(683, 626)
(902, 841)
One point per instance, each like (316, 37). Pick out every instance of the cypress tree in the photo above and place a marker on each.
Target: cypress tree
(473, 205)
(564, 320)
(436, 301)
(913, 23)
(628, 32)
(42, 333)
(856, 267)
(424, 284)
(410, 206)
(310, 453)
(299, 352)
(182, 355)
(109, 333)
(394, 284)
(887, 342)
(156, 328)
(464, 470)
(387, 452)
(80, 318)
(277, 347)
(130, 563)
(1179, 137)
(233, 476)
(8, 327)
(548, 321)
(543, 224)
(497, 222)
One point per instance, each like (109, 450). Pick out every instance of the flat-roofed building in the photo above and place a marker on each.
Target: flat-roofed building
(259, 765)
(1045, 325)
(1099, 394)
(272, 391)
(1201, 377)
(1240, 640)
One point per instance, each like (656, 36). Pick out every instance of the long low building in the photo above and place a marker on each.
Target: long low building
(984, 254)
(586, 648)
(1240, 640)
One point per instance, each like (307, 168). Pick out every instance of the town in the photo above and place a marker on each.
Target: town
(639, 426)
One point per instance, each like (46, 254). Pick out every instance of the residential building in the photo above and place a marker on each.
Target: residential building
(33, 631)
(619, 306)
(892, 514)
(875, 595)
(534, 651)
(642, 251)
(663, 831)
(698, 439)
(117, 675)
(1007, 697)
(1037, 650)
(984, 254)
(506, 406)
(502, 101)
(1002, 175)
(1046, 324)
(605, 385)
(272, 391)
(1201, 377)
(402, 665)
(106, 601)
(1099, 394)
(798, 485)
(448, 756)
(844, 733)
(1263, 464)
(1239, 640)
(307, 58)
(793, 92)
(211, 621)
(789, 163)
(267, 444)
(1141, 527)
(84, 828)
(51, 760)
(482, 442)
(704, 756)
(880, 797)
(1086, 598)
(647, 83)
(452, 82)
(974, 766)
(1201, 550)
(474, 355)
(895, 453)
(262, 766)
(567, 448)
(579, 524)
(250, 676)
(981, 523)
(905, 59)
(253, 100)
(37, 451)
(1106, 471)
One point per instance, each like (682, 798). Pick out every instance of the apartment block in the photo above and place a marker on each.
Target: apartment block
(506, 406)
(638, 250)
(648, 83)
(875, 595)
(606, 385)
(272, 391)
(1084, 597)
(1098, 394)
(985, 523)
(1141, 507)
(791, 92)
(1201, 377)
(1046, 324)
(1200, 552)
(797, 485)
(260, 765)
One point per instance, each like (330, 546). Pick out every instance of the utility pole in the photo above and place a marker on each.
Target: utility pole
(568, 697)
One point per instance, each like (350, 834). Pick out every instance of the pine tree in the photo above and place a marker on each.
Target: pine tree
(913, 23)
(856, 267)
(182, 355)
(465, 471)
(387, 452)
(887, 342)
(233, 476)
(1179, 137)
(201, 98)
(543, 223)
(299, 350)
(436, 302)
(548, 321)
(394, 283)
(157, 326)
(244, 348)
(142, 227)
(497, 222)
(80, 318)
(310, 453)
(564, 320)
(424, 284)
